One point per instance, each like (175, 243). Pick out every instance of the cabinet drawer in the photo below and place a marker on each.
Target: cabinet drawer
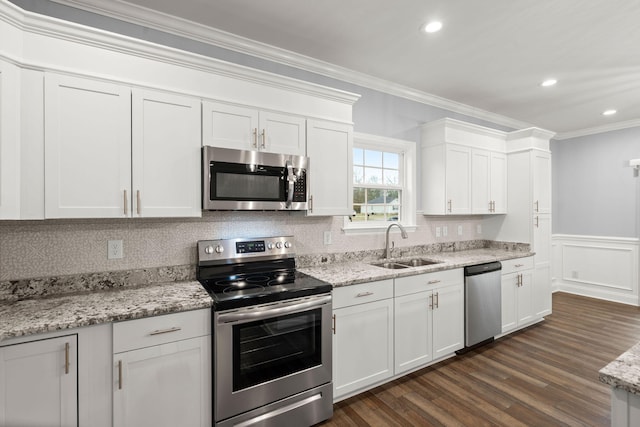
(140, 333)
(364, 292)
(422, 282)
(518, 264)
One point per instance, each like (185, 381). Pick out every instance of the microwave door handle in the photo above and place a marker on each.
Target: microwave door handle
(291, 180)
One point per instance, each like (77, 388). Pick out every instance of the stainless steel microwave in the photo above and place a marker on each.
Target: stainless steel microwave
(253, 180)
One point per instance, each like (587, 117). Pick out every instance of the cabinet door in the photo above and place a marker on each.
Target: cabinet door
(87, 148)
(362, 346)
(229, 126)
(413, 338)
(448, 320)
(164, 385)
(542, 290)
(330, 152)
(498, 182)
(509, 307)
(480, 181)
(166, 155)
(282, 133)
(458, 180)
(525, 298)
(9, 141)
(39, 383)
(541, 182)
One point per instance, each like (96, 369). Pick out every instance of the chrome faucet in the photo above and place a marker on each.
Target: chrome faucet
(403, 232)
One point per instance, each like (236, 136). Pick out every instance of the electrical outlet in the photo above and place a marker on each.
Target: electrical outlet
(479, 229)
(445, 231)
(438, 232)
(114, 249)
(459, 230)
(327, 237)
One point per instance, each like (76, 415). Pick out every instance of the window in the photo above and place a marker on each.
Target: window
(383, 183)
(377, 185)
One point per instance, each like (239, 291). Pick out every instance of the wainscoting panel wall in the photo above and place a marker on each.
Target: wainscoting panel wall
(600, 267)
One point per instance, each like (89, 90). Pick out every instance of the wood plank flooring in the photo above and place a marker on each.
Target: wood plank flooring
(545, 375)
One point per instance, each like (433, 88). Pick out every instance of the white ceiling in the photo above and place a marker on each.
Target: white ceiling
(491, 55)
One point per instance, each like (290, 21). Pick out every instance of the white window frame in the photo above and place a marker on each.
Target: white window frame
(408, 170)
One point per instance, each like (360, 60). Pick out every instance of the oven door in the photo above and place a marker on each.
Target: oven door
(266, 353)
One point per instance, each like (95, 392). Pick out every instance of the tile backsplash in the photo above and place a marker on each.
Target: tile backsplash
(31, 249)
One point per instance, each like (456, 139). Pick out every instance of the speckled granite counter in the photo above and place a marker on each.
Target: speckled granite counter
(624, 372)
(39, 315)
(354, 272)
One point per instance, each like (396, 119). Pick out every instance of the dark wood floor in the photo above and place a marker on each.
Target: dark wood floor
(545, 375)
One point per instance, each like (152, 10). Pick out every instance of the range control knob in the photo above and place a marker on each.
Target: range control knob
(219, 249)
(279, 245)
(208, 250)
(270, 246)
(288, 244)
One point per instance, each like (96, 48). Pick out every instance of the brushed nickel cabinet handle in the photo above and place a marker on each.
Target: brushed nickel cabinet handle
(437, 304)
(119, 374)
(311, 204)
(333, 328)
(126, 204)
(255, 137)
(364, 294)
(537, 206)
(433, 282)
(449, 203)
(264, 138)
(138, 202)
(165, 331)
(66, 358)
(519, 265)
(431, 302)
(537, 221)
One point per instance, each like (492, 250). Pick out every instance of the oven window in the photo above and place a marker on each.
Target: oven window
(233, 181)
(272, 348)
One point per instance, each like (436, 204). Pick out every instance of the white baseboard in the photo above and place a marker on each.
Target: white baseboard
(598, 267)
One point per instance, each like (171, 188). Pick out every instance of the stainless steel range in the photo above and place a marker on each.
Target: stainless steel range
(272, 334)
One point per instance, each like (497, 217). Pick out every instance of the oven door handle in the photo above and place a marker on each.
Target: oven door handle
(259, 314)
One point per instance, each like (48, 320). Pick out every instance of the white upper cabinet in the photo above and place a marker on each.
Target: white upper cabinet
(488, 182)
(9, 141)
(541, 182)
(330, 151)
(99, 163)
(87, 148)
(166, 155)
(464, 169)
(245, 128)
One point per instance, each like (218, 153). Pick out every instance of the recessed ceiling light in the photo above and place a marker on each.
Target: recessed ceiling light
(549, 82)
(609, 112)
(432, 27)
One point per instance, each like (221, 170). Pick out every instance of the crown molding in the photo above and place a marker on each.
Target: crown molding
(65, 30)
(598, 129)
(138, 15)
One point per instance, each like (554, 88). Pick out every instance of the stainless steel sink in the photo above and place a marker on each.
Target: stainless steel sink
(390, 265)
(418, 262)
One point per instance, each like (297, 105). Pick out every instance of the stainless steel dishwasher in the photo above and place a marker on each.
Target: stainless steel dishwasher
(482, 302)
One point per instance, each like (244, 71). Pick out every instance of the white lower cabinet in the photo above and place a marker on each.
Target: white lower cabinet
(429, 318)
(517, 293)
(162, 371)
(362, 336)
(39, 383)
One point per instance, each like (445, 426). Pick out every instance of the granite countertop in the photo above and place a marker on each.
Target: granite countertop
(39, 315)
(624, 372)
(354, 272)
